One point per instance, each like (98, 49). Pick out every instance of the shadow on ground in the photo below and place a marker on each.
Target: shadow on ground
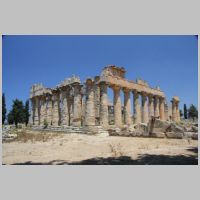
(145, 159)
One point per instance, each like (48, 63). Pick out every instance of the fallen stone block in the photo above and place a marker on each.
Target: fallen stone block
(176, 135)
(195, 136)
(158, 134)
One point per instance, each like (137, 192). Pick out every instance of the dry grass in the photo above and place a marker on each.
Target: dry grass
(116, 150)
(33, 137)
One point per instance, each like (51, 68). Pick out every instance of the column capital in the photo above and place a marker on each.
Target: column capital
(150, 95)
(156, 97)
(116, 87)
(89, 82)
(103, 83)
(135, 92)
(162, 99)
(144, 94)
(126, 90)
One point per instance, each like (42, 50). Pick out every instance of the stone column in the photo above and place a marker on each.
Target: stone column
(103, 105)
(36, 117)
(89, 110)
(151, 107)
(70, 109)
(32, 111)
(145, 118)
(127, 107)
(30, 120)
(42, 111)
(77, 105)
(117, 107)
(166, 112)
(162, 109)
(174, 113)
(64, 112)
(137, 114)
(97, 100)
(178, 118)
(49, 110)
(156, 106)
(55, 120)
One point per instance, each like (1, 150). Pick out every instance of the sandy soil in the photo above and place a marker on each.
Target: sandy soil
(84, 149)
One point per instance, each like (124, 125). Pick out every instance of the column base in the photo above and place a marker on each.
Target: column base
(95, 130)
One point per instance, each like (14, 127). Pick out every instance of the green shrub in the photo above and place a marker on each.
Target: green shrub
(45, 123)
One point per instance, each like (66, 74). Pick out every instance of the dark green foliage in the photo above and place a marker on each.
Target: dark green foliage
(3, 109)
(10, 118)
(26, 112)
(192, 112)
(17, 112)
(185, 111)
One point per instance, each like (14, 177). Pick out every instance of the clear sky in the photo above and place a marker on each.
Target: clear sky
(168, 61)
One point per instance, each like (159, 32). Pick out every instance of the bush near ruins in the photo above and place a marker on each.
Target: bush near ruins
(45, 123)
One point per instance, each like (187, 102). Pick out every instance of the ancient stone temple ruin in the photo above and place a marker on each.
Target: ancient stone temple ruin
(72, 103)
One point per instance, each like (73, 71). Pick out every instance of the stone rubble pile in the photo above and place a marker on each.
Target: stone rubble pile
(157, 129)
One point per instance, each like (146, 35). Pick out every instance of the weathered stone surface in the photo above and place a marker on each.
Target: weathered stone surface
(195, 136)
(177, 135)
(158, 134)
(194, 129)
(136, 107)
(145, 117)
(117, 107)
(162, 109)
(141, 129)
(159, 125)
(127, 107)
(77, 112)
(175, 128)
(90, 107)
(103, 105)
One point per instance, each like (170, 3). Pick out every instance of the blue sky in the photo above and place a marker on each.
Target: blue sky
(168, 61)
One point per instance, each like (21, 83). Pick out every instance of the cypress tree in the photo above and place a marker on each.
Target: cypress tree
(185, 111)
(18, 112)
(3, 109)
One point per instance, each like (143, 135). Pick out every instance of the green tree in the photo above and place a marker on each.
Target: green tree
(18, 112)
(185, 111)
(10, 118)
(26, 112)
(192, 112)
(3, 109)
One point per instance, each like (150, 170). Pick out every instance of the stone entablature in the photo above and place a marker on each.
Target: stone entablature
(39, 90)
(112, 70)
(123, 83)
(74, 104)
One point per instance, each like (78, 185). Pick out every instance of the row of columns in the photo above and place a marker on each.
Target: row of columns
(60, 108)
(153, 107)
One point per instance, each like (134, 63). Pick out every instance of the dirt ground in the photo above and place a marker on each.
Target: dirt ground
(77, 149)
